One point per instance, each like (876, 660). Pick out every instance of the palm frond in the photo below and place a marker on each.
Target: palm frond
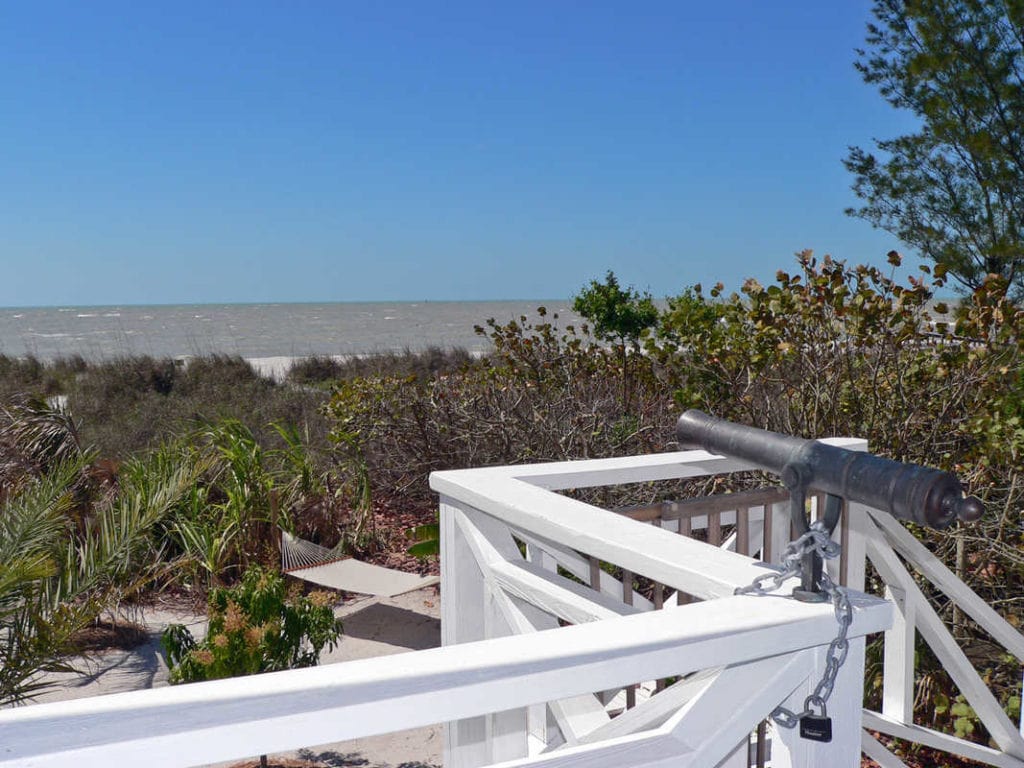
(56, 577)
(45, 433)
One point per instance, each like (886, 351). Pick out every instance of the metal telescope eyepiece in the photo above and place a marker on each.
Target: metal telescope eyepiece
(906, 491)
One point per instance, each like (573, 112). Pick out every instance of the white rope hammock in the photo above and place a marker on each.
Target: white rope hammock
(328, 568)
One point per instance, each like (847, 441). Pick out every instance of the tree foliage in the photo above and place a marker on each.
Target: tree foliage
(616, 314)
(620, 316)
(954, 190)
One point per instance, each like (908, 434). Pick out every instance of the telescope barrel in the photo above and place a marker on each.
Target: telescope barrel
(907, 491)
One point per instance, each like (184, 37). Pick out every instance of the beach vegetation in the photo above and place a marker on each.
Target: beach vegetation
(427, 538)
(128, 405)
(257, 625)
(545, 393)
(63, 562)
(326, 370)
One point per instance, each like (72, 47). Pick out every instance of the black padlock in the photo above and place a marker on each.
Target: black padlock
(816, 728)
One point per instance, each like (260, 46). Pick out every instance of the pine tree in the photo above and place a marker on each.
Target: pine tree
(954, 190)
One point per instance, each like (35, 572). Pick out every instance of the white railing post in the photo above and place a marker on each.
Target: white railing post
(857, 522)
(781, 522)
(755, 533)
(505, 731)
(789, 750)
(476, 539)
(898, 661)
(537, 714)
(462, 621)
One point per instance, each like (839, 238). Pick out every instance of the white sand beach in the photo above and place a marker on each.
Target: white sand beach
(277, 367)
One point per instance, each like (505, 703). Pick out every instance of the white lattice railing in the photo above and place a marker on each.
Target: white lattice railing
(518, 502)
(887, 542)
(539, 668)
(514, 554)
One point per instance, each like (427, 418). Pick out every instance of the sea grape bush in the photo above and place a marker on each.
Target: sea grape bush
(847, 350)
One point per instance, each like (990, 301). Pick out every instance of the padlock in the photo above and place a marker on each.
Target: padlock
(816, 728)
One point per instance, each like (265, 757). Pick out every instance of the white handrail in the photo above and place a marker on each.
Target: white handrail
(205, 722)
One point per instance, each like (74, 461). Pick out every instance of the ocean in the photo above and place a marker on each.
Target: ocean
(256, 330)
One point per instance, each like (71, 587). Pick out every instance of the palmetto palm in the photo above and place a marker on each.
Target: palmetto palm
(58, 571)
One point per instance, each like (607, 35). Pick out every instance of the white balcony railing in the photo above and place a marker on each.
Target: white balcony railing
(513, 555)
(551, 657)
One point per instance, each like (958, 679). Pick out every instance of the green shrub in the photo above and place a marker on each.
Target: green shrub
(132, 404)
(254, 627)
(543, 394)
(843, 350)
(245, 494)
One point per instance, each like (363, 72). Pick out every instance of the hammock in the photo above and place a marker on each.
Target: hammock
(320, 565)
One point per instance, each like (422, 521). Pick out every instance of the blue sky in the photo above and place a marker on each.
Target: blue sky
(312, 151)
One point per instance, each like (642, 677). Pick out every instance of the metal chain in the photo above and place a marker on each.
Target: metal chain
(816, 539)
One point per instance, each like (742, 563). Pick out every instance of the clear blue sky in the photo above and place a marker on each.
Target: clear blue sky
(312, 151)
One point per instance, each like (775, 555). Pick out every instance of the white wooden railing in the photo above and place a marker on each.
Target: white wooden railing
(553, 656)
(887, 542)
(519, 558)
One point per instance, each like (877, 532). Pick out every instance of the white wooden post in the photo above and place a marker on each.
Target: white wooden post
(537, 717)
(844, 707)
(462, 621)
(780, 534)
(537, 555)
(505, 731)
(858, 523)
(755, 520)
(898, 662)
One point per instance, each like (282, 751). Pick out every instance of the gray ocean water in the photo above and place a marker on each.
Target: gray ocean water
(255, 330)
